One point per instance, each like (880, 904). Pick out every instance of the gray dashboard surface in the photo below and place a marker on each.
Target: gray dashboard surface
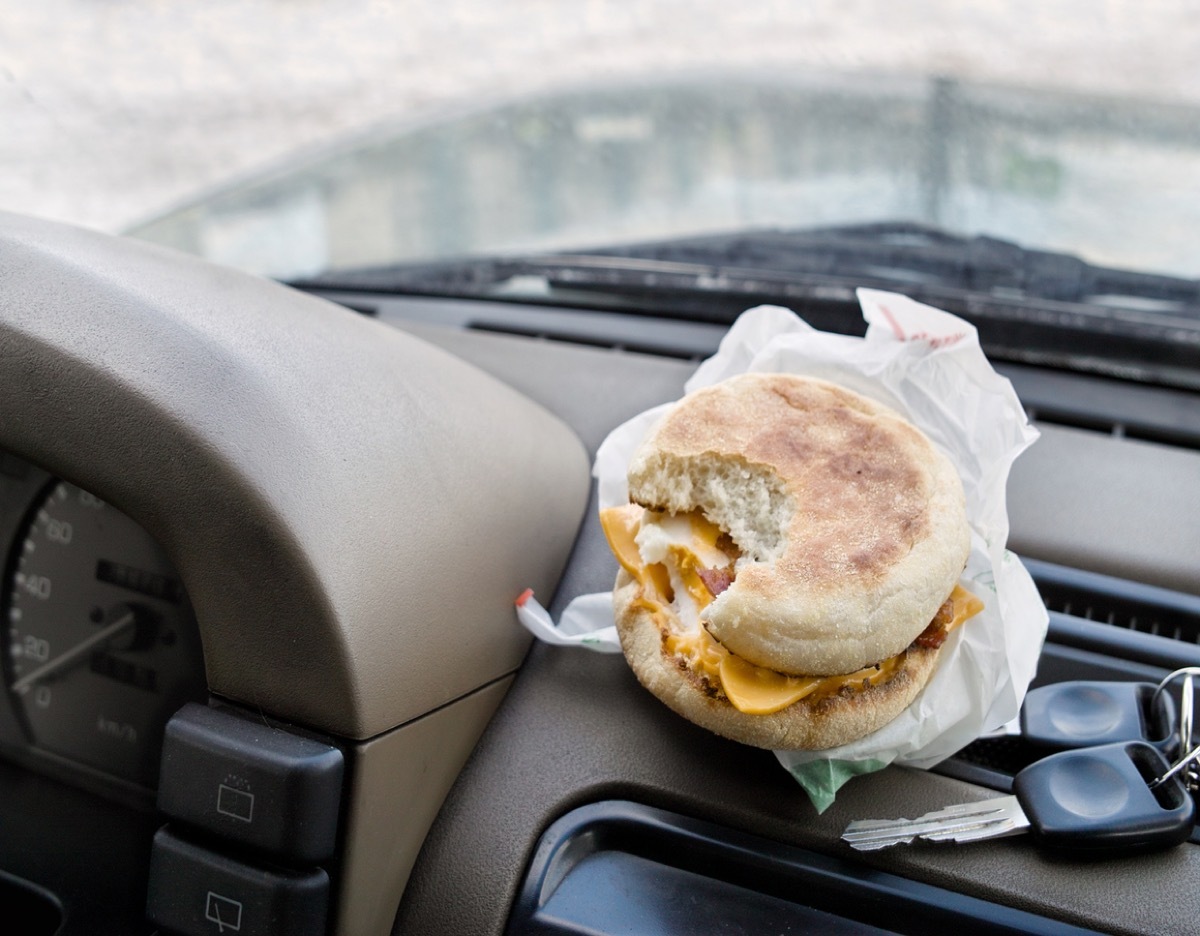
(577, 728)
(310, 472)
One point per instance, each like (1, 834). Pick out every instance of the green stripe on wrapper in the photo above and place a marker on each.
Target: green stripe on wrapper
(821, 779)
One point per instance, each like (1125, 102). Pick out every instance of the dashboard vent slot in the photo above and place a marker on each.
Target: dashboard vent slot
(1143, 431)
(1107, 406)
(1108, 600)
(589, 340)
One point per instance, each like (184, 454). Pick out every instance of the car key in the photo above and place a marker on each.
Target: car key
(1113, 799)
(1079, 713)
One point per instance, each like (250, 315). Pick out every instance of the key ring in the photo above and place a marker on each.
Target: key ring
(1170, 678)
(1186, 703)
(1186, 724)
(1189, 758)
(1186, 716)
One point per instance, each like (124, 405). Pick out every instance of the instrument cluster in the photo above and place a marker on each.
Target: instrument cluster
(102, 641)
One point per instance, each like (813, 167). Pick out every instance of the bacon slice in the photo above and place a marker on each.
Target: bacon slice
(932, 637)
(716, 580)
(936, 633)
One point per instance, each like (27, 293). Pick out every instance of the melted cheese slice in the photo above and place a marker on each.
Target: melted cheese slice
(754, 690)
(966, 606)
(621, 525)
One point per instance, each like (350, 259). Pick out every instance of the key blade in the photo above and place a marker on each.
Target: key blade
(1004, 828)
(871, 839)
(985, 808)
(880, 844)
(941, 818)
(967, 822)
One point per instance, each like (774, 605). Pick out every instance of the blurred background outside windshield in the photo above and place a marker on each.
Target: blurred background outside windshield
(288, 136)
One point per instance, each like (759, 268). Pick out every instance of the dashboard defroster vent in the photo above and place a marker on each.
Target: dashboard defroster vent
(581, 337)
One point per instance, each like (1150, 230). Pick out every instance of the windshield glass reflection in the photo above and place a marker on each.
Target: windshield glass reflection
(1107, 179)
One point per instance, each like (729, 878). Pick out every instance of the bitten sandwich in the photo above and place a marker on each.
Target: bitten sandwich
(789, 561)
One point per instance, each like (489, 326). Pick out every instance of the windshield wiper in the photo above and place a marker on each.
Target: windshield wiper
(1029, 305)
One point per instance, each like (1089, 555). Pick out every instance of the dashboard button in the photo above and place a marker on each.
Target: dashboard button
(251, 784)
(194, 891)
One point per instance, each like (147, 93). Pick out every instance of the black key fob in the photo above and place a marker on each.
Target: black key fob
(1069, 715)
(1099, 801)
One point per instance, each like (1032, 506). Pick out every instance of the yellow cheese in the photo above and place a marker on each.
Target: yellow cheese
(758, 691)
(704, 529)
(688, 566)
(752, 689)
(966, 606)
(702, 652)
(620, 525)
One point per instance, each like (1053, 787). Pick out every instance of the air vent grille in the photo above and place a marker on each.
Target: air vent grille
(1143, 431)
(1120, 603)
(1126, 630)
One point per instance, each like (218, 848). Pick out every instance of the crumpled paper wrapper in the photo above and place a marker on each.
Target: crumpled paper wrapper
(927, 365)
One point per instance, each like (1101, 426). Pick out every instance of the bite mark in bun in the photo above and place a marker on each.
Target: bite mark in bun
(789, 563)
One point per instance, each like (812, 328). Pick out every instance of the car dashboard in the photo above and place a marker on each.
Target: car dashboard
(549, 793)
(1097, 514)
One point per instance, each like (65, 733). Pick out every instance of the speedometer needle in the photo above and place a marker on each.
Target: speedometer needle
(66, 659)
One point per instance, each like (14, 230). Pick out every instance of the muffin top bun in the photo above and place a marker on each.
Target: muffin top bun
(851, 526)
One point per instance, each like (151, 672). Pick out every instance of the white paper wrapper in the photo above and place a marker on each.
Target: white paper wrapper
(926, 364)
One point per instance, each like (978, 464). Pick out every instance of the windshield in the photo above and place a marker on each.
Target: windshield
(652, 158)
(294, 139)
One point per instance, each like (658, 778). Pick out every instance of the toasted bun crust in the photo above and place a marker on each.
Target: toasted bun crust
(852, 525)
(804, 726)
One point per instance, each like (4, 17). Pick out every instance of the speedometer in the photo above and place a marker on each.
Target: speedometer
(103, 646)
